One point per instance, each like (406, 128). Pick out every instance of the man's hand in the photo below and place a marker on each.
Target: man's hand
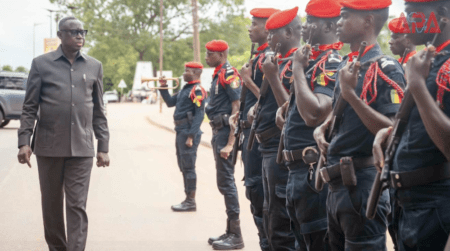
(280, 119)
(24, 155)
(319, 136)
(378, 145)
(246, 71)
(418, 67)
(189, 142)
(251, 114)
(301, 58)
(225, 152)
(348, 79)
(102, 159)
(162, 82)
(270, 68)
(233, 120)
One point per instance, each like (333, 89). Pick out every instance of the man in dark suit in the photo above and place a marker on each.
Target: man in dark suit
(66, 87)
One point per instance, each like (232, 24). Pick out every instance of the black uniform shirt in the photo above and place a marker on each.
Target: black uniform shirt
(222, 95)
(257, 76)
(269, 110)
(353, 138)
(297, 134)
(184, 103)
(416, 149)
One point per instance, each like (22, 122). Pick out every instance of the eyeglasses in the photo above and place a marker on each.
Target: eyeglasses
(75, 33)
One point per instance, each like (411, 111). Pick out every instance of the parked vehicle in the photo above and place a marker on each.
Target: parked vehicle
(12, 95)
(110, 96)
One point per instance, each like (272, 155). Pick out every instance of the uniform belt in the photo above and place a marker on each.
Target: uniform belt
(309, 155)
(334, 171)
(245, 124)
(268, 134)
(422, 176)
(292, 155)
(219, 121)
(181, 121)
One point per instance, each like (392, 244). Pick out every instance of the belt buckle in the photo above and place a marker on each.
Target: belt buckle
(304, 153)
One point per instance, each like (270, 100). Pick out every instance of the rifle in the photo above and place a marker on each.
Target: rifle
(291, 93)
(382, 179)
(338, 113)
(262, 98)
(238, 130)
(405, 54)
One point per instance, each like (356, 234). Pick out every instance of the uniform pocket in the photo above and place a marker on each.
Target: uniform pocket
(89, 141)
(44, 135)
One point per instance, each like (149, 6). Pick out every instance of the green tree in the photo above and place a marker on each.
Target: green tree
(7, 68)
(133, 25)
(21, 69)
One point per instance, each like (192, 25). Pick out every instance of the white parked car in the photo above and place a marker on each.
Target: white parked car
(110, 96)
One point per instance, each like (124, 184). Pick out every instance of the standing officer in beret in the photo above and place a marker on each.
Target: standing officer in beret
(309, 106)
(420, 176)
(224, 102)
(284, 28)
(252, 77)
(66, 86)
(188, 117)
(372, 89)
(399, 42)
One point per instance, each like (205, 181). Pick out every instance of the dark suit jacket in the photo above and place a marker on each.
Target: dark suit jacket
(70, 103)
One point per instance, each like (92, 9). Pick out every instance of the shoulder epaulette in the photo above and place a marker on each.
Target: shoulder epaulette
(443, 81)
(197, 99)
(229, 76)
(374, 71)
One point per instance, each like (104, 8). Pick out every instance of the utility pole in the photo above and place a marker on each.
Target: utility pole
(196, 32)
(161, 7)
(34, 37)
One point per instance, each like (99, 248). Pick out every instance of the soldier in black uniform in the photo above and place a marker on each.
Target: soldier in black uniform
(420, 175)
(224, 101)
(188, 117)
(284, 28)
(309, 106)
(252, 77)
(399, 42)
(372, 89)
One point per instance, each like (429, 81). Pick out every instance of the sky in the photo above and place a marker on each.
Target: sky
(17, 19)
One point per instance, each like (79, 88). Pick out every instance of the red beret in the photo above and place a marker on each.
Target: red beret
(281, 18)
(366, 4)
(399, 25)
(263, 12)
(217, 45)
(193, 65)
(323, 8)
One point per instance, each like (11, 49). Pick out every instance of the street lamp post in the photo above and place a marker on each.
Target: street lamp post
(34, 37)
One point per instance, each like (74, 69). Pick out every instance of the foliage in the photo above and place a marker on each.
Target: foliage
(21, 69)
(7, 68)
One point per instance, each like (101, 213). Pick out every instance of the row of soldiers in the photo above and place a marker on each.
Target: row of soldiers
(305, 116)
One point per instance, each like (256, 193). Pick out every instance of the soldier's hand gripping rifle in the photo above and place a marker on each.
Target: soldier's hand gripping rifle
(238, 130)
(382, 180)
(262, 99)
(336, 120)
(291, 93)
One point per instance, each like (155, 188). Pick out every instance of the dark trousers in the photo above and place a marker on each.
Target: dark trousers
(306, 208)
(348, 227)
(186, 157)
(393, 219)
(424, 222)
(69, 177)
(254, 187)
(225, 173)
(276, 219)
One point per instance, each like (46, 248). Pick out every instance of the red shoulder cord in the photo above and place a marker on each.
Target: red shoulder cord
(193, 96)
(260, 60)
(371, 77)
(321, 66)
(283, 74)
(442, 81)
(222, 75)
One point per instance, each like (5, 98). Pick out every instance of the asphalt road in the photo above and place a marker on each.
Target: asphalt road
(129, 202)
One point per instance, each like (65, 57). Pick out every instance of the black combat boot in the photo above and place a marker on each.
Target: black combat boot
(211, 240)
(234, 239)
(188, 205)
